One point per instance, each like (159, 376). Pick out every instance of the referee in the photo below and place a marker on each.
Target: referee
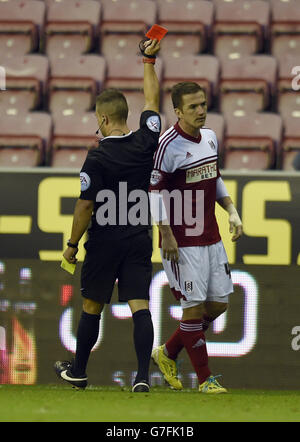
(116, 250)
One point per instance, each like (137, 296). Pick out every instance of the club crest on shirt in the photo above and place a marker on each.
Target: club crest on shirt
(212, 144)
(85, 181)
(155, 178)
(188, 286)
(153, 123)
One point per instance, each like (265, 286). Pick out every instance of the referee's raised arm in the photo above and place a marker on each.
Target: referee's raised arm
(151, 83)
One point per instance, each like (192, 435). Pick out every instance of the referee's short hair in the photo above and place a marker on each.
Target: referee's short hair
(184, 88)
(113, 103)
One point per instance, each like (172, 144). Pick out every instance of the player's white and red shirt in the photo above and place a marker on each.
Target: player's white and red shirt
(186, 163)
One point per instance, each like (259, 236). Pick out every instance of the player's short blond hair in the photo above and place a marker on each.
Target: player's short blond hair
(184, 88)
(113, 103)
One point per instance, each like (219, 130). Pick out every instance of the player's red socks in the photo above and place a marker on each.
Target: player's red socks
(193, 339)
(174, 345)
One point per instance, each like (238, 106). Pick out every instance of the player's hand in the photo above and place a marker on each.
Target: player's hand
(235, 227)
(170, 248)
(152, 47)
(70, 255)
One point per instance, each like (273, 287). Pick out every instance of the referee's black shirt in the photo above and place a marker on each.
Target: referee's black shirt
(120, 159)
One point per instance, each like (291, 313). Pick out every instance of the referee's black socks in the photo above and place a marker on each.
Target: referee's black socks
(143, 336)
(87, 335)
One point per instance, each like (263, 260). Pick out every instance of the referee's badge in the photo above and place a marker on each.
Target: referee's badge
(85, 181)
(153, 123)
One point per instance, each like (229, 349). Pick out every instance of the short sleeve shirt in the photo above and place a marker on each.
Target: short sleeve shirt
(114, 173)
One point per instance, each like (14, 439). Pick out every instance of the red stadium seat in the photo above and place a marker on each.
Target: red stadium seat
(167, 108)
(118, 45)
(189, 25)
(131, 16)
(73, 136)
(21, 26)
(71, 26)
(240, 28)
(288, 99)
(285, 28)
(24, 139)
(126, 72)
(74, 83)
(252, 141)
(203, 69)
(26, 82)
(178, 45)
(247, 84)
(291, 142)
(135, 100)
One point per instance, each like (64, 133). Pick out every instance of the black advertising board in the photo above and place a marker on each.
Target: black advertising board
(255, 344)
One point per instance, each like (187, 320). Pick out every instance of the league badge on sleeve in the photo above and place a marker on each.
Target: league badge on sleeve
(155, 178)
(153, 123)
(85, 181)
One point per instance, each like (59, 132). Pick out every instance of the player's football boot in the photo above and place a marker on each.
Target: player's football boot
(167, 366)
(212, 386)
(63, 371)
(141, 387)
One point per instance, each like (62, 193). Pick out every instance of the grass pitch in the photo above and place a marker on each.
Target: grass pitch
(60, 403)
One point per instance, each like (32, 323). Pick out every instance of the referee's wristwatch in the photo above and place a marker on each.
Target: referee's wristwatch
(70, 244)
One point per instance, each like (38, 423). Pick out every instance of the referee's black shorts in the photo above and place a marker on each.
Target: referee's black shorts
(128, 260)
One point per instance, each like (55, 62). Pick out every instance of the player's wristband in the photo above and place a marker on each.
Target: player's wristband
(149, 60)
(74, 246)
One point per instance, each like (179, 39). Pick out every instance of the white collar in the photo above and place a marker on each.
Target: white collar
(117, 136)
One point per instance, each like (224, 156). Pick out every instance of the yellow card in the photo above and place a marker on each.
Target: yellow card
(67, 266)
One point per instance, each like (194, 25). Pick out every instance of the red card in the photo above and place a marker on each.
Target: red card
(157, 32)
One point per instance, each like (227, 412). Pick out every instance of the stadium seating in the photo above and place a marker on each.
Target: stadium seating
(248, 83)
(290, 142)
(73, 136)
(135, 100)
(24, 139)
(26, 83)
(21, 26)
(118, 45)
(188, 23)
(71, 27)
(216, 122)
(285, 28)
(288, 100)
(252, 141)
(131, 16)
(240, 28)
(59, 54)
(74, 83)
(126, 72)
